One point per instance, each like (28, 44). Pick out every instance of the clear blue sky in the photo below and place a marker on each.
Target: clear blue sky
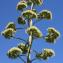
(8, 13)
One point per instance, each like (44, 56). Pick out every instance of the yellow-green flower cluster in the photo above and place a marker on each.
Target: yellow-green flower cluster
(53, 34)
(45, 14)
(8, 33)
(46, 54)
(10, 29)
(54, 31)
(21, 20)
(35, 31)
(14, 52)
(29, 14)
(23, 47)
(49, 52)
(35, 2)
(11, 25)
(21, 5)
(50, 39)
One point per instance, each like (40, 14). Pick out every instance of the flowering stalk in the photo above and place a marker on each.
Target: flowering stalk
(30, 39)
(24, 49)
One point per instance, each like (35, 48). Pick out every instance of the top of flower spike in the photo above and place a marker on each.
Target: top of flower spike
(35, 2)
(21, 5)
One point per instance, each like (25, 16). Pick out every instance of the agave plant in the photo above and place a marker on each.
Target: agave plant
(29, 16)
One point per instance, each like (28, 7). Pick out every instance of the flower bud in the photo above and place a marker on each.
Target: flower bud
(14, 52)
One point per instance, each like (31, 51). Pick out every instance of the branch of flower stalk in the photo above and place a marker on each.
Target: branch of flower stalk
(33, 59)
(35, 22)
(35, 51)
(44, 36)
(23, 55)
(22, 59)
(20, 28)
(18, 38)
(39, 38)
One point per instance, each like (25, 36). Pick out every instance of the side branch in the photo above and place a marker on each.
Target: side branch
(22, 59)
(20, 28)
(19, 38)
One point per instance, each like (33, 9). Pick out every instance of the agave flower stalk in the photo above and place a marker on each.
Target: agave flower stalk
(26, 17)
(30, 39)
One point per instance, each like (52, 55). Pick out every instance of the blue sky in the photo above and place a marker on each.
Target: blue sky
(9, 13)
